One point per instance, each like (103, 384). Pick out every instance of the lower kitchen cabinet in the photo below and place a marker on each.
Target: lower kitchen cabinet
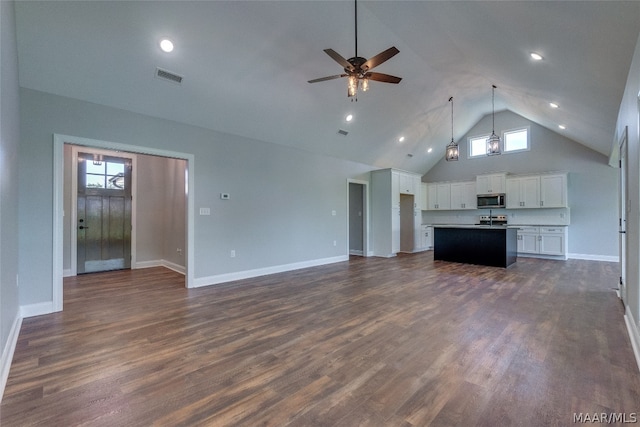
(426, 236)
(543, 241)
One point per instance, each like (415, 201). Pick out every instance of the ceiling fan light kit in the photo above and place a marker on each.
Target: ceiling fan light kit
(358, 69)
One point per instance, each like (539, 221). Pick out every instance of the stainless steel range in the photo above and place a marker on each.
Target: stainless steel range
(493, 220)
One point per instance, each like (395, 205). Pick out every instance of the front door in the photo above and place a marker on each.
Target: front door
(104, 213)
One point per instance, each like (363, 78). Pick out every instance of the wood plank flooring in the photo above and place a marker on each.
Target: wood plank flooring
(406, 341)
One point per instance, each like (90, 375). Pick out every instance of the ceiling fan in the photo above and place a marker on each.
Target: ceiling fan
(358, 69)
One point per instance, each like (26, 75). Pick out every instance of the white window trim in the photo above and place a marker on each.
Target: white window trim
(469, 156)
(504, 147)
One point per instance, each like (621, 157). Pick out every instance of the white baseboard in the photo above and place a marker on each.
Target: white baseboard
(67, 272)
(634, 334)
(160, 263)
(355, 252)
(7, 353)
(590, 257)
(248, 274)
(37, 309)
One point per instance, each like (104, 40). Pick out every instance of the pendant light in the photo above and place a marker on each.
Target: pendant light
(493, 142)
(452, 152)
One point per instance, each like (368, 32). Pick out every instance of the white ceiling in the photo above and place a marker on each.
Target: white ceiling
(246, 65)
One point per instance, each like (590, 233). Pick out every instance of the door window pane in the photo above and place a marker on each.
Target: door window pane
(102, 174)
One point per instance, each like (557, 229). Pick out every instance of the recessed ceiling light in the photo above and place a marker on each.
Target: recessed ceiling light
(349, 117)
(553, 105)
(562, 127)
(429, 150)
(401, 139)
(536, 56)
(166, 45)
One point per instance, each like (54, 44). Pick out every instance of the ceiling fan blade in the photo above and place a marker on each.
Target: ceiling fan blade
(385, 78)
(322, 79)
(380, 58)
(339, 59)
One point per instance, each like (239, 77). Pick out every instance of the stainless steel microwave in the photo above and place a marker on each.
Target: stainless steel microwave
(491, 201)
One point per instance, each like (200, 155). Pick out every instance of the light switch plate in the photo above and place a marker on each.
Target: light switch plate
(205, 211)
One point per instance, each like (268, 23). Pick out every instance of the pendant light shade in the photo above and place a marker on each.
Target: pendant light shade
(453, 151)
(493, 142)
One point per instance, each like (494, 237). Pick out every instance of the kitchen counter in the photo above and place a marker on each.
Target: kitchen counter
(476, 244)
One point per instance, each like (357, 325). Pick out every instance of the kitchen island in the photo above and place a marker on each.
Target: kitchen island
(494, 246)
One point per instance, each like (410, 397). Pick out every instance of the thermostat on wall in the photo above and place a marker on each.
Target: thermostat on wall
(224, 196)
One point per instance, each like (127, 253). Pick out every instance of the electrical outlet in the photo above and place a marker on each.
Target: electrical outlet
(233, 253)
(333, 213)
(335, 243)
(179, 250)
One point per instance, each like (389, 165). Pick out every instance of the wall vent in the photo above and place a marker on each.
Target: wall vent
(169, 76)
(342, 132)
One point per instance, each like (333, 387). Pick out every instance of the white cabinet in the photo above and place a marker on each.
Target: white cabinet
(543, 241)
(463, 195)
(407, 184)
(553, 241)
(528, 240)
(426, 235)
(388, 210)
(553, 191)
(537, 191)
(493, 183)
(395, 189)
(439, 196)
(523, 192)
(395, 230)
(424, 196)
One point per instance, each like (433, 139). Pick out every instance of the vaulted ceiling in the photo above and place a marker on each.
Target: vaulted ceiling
(246, 65)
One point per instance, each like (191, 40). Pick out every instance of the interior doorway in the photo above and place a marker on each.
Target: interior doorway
(407, 231)
(59, 217)
(357, 223)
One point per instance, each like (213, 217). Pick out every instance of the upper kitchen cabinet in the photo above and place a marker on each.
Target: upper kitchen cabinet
(439, 196)
(523, 192)
(553, 191)
(463, 195)
(493, 183)
(537, 191)
(407, 184)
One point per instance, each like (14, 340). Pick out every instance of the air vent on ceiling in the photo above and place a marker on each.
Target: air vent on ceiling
(342, 132)
(169, 76)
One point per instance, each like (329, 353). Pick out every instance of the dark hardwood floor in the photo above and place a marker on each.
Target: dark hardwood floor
(378, 342)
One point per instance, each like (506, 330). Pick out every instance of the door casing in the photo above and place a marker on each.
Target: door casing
(58, 205)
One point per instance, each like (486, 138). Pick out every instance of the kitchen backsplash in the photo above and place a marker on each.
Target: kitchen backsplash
(558, 216)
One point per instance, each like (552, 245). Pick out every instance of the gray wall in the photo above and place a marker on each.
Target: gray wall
(628, 116)
(161, 209)
(593, 185)
(9, 141)
(281, 198)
